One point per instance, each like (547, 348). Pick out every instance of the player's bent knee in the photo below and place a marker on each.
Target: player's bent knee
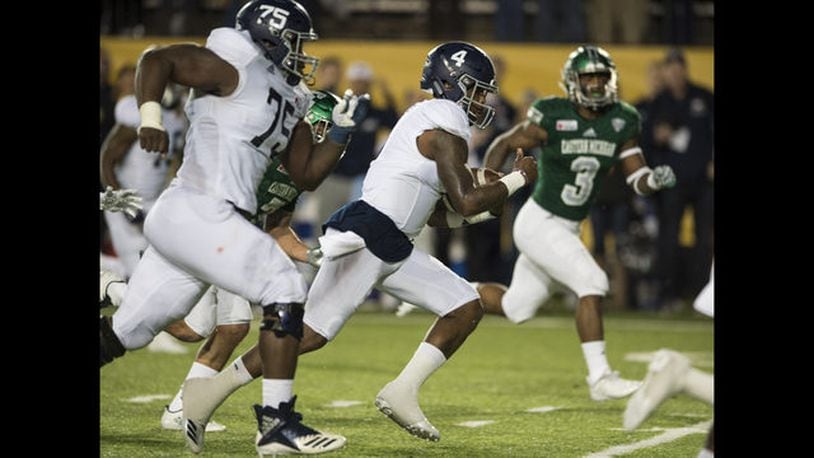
(283, 319)
(311, 340)
(471, 311)
(476, 309)
(181, 331)
(518, 308)
(596, 284)
(521, 314)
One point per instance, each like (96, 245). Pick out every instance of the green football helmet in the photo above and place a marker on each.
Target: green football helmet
(319, 114)
(587, 60)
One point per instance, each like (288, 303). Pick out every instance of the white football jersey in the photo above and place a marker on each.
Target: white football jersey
(140, 170)
(230, 139)
(401, 182)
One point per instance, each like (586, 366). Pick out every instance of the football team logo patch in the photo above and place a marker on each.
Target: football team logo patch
(618, 124)
(566, 124)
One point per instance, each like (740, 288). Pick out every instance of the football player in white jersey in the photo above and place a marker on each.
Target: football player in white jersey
(247, 103)
(222, 317)
(124, 164)
(368, 243)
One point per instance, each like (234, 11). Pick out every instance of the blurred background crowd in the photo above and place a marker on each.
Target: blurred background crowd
(657, 250)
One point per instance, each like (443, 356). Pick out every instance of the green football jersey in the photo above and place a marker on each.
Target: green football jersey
(276, 191)
(579, 153)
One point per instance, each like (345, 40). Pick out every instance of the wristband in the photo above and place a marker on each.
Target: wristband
(514, 181)
(150, 115)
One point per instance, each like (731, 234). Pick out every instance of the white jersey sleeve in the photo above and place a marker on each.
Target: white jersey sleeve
(449, 116)
(237, 52)
(126, 112)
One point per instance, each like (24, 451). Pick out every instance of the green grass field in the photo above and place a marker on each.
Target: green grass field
(501, 371)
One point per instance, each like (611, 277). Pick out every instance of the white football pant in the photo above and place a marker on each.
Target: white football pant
(550, 249)
(197, 240)
(343, 283)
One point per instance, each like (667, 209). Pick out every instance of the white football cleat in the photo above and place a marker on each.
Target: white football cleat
(107, 277)
(200, 397)
(401, 405)
(174, 421)
(665, 377)
(166, 343)
(611, 386)
(404, 308)
(281, 432)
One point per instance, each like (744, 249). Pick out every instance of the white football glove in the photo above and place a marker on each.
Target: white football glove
(662, 177)
(120, 200)
(315, 256)
(347, 114)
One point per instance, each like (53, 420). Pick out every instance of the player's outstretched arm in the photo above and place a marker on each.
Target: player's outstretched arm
(278, 225)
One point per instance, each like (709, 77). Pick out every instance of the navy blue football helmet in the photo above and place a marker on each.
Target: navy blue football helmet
(280, 27)
(463, 73)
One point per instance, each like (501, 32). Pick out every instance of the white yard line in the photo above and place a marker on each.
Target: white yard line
(475, 423)
(543, 409)
(669, 435)
(343, 403)
(144, 399)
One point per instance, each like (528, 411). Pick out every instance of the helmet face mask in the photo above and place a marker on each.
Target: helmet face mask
(463, 73)
(280, 28)
(320, 114)
(580, 85)
(474, 102)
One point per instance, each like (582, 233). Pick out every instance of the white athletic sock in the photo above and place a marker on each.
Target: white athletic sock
(242, 374)
(197, 370)
(426, 360)
(115, 291)
(594, 353)
(704, 453)
(277, 390)
(699, 385)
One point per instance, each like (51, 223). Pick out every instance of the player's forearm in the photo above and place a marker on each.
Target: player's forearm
(108, 178)
(497, 152)
(290, 243)
(309, 164)
(323, 160)
(483, 198)
(118, 141)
